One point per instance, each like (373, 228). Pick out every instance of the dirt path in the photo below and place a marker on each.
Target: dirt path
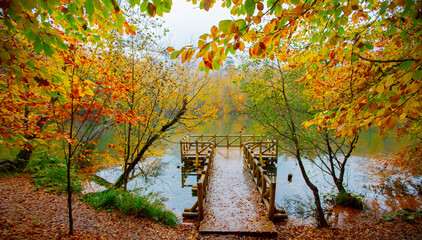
(30, 213)
(233, 203)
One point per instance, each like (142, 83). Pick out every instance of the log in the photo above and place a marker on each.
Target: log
(7, 166)
(190, 214)
(280, 217)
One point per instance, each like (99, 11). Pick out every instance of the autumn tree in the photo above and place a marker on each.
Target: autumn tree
(280, 103)
(363, 57)
(32, 34)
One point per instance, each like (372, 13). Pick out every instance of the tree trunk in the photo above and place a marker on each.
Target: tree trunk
(149, 142)
(339, 185)
(319, 214)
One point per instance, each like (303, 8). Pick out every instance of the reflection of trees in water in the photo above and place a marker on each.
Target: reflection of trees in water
(271, 171)
(297, 207)
(148, 171)
(189, 170)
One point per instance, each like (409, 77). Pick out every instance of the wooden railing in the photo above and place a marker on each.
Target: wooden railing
(265, 151)
(253, 157)
(195, 151)
(197, 210)
(225, 140)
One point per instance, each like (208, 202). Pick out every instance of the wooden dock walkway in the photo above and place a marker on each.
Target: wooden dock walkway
(233, 203)
(235, 193)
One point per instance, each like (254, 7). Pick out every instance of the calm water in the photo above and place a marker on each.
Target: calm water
(294, 196)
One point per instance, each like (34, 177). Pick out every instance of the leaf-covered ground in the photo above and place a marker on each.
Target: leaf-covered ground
(30, 213)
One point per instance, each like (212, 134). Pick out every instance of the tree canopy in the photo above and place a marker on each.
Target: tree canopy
(362, 58)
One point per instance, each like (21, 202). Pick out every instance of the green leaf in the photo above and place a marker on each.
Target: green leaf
(47, 49)
(144, 6)
(295, 2)
(369, 46)
(159, 10)
(406, 65)
(97, 4)
(391, 31)
(174, 54)
(38, 45)
(29, 4)
(215, 65)
(64, 46)
(134, 2)
(108, 4)
(89, 7)
(315, 38)
(250, 6)
(417, 75)
(341, 30)
(224, 25)
(4, 55)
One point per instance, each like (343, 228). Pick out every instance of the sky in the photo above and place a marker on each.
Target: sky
(187, 22)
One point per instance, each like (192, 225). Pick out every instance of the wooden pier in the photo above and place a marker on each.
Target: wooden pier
(230, 200)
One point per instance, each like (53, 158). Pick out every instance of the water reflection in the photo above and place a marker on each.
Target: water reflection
(175, 180)
(189, 175)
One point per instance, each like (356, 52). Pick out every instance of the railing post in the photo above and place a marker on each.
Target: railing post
(227, 141)
(260, 154)
(215, 141)
(181, 151)
(264, 183)
(271, 210)
(240, 140)
(196, 162)
(200, 201)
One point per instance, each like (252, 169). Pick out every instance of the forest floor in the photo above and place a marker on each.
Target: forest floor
(27, 212)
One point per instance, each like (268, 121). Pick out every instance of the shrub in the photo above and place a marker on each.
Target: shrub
(348, 199)
(132, 204)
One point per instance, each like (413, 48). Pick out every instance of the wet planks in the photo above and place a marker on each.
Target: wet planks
(233, 204)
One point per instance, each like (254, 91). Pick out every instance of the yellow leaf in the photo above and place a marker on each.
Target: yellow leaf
(214, 46)
(88, 91)
(201, 44)
(232, 28)
(380, 88)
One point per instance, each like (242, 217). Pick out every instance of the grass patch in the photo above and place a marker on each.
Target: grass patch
(407, 215)
(132, 204)
(50, 173)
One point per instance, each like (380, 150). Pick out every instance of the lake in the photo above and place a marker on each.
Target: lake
(294, 196)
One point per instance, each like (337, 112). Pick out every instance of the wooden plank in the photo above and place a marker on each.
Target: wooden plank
(227, 210)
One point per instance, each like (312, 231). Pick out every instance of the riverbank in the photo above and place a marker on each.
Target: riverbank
(27, 212)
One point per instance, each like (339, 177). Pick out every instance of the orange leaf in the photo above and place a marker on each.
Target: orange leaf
(391, 122)
(208, 64)
(373, 106)
(214, 30)
(260, 6)
(170, 49)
